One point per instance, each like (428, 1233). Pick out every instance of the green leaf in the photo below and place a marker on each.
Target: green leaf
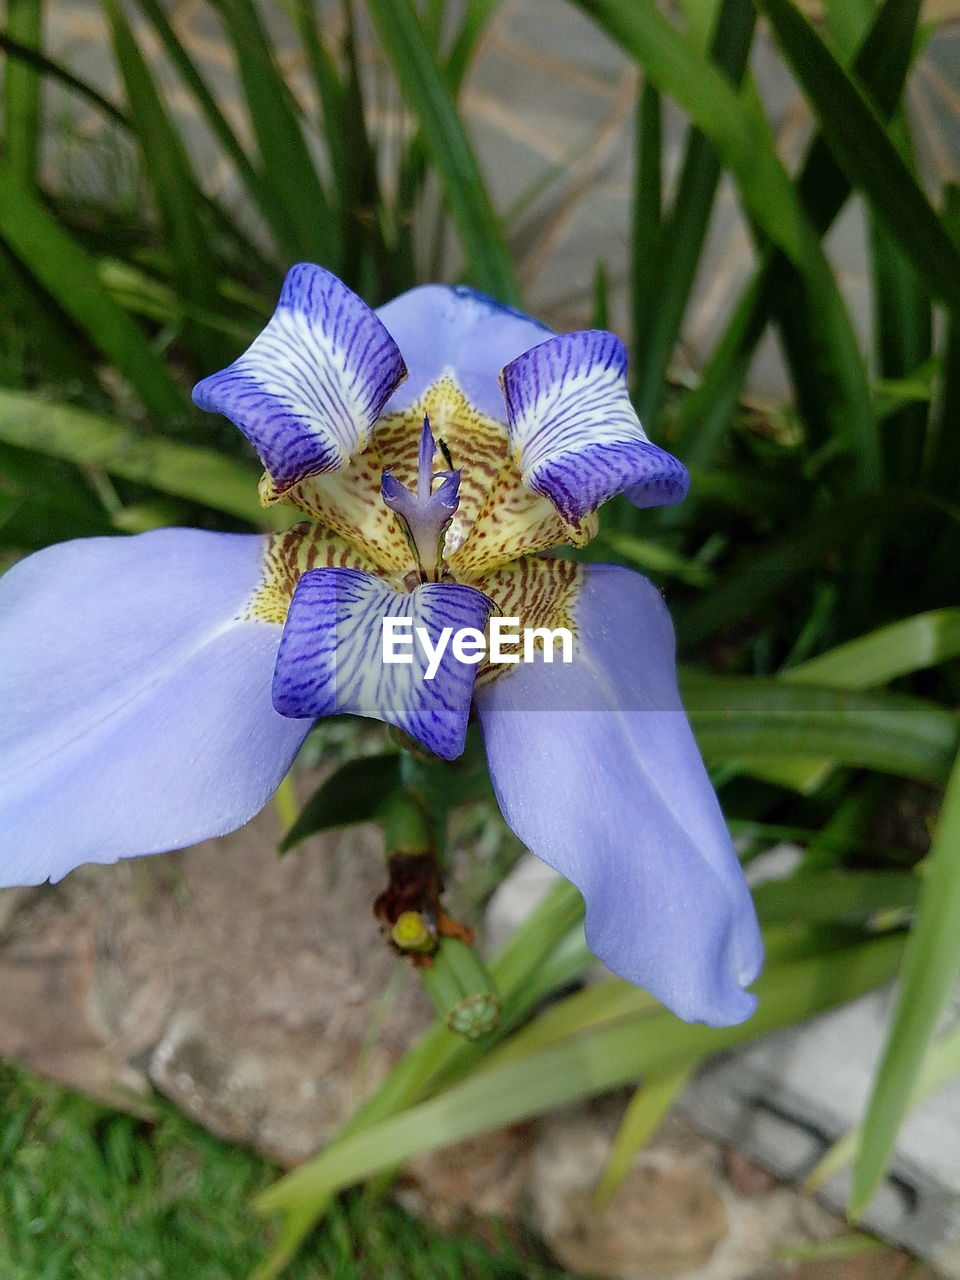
(733, 123)
(582, 1065)
(678, 248)
(87, 439)
(41, 502)
(52, 70)
(757, 576)
(931, 964)
(646, 211)
(354, 793)
(645, 1112)
(829, 897)
(21, 93)
(738, 718)
(654, 557)
(426, 91)
(259, 191)
(940, 1064)
(174, 186)
(881, 64)
(736, 127)
(300, 214)
(859, 141)
(925, 640)
(943, 467)
(65, 270)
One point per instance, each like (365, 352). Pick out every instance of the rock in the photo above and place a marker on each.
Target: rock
(874, 1264)
(254, 991)
(485, 1177)
(666, 1217)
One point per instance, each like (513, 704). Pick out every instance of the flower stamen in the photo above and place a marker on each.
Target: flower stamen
(427, 511)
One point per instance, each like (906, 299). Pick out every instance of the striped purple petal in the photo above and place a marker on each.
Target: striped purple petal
(308, 390)
(332, 656)
(575, 433)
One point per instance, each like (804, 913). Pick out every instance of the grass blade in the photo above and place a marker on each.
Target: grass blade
(679, 246)
(858, 139)
(741, 717)
(757, 577)
(736, 127)
(301, 215)
(258, 190)
(931, 964)
(881, 66)
(21, 93)
(426, 91)
(645, 1112)
(87, 439)
(940, 1064)
(582, 1065)
(898, 649)
(34, 58)
(69, 275)
(174, 187)
(646, 211)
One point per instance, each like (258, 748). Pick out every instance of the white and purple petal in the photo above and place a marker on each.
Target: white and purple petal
(596, 770)
(574, 432)
(332, 655)
(450, 329)
(135, 712)
(309, 388)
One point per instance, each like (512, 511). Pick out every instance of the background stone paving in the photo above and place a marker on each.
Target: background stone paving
(549, 104)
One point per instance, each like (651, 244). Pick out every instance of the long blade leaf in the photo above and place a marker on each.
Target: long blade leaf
(185, 471)
(863, 148)
(426, 91)
(65, 270)
(931, 964)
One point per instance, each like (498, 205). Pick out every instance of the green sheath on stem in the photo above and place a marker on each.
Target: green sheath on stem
(462, 990)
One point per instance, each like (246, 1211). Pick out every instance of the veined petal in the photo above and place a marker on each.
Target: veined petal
(574, 432)
(309, 388)
(444, 329)
(597, 771)
(135, 712)
(332, 655)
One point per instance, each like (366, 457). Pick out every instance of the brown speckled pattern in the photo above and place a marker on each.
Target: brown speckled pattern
(290, 554)
(540, 592)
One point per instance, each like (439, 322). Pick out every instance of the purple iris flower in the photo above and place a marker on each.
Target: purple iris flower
(155, 689)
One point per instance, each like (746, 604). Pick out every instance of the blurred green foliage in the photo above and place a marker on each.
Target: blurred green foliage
(813, 572)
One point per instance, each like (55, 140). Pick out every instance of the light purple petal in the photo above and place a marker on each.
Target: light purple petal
(310, 387)
(441, 328)
(135, 712)
(576, 434)
(597, 772)
(331, 658)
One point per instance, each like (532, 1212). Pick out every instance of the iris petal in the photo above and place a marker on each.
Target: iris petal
(574, 431)
(331, 658)
(442, 328)
(597, 771)
(135, 710)
(308, 390)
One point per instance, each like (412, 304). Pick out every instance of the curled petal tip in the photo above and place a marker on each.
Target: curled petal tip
(575, 434)
(308, 390)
